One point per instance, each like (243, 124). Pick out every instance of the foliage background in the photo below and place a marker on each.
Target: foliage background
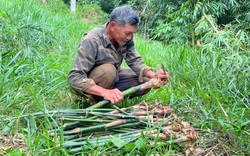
(203, 44)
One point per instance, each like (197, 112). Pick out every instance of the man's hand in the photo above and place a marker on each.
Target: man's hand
(164, 76)
(113, 95)
(161, 77)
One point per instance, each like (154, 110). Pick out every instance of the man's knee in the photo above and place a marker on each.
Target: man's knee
(109, 72)
(104, 75)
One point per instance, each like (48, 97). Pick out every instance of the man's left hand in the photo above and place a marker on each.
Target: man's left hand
(164, 76)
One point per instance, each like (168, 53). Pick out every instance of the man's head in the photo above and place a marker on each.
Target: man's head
(123, 24)
(124, 15)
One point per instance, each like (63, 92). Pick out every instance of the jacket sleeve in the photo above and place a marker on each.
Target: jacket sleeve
(83, 63)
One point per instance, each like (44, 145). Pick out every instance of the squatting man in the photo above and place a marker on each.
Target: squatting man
(97, 72)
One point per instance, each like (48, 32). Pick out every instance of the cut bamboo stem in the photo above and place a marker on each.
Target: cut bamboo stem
(125, 93)
(151, 83)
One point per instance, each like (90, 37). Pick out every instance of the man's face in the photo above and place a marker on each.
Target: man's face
(123, 34)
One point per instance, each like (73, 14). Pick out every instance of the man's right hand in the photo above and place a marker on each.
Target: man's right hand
(114, 95)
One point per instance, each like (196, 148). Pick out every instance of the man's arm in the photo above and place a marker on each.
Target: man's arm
(83, 63)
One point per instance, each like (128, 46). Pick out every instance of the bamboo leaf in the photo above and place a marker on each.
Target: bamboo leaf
(140, 143)
(118, 142)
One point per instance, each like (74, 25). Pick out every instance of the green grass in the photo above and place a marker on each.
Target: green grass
(210, 89)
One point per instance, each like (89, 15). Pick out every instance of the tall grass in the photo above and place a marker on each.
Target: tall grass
(210, 89)
(36, 53)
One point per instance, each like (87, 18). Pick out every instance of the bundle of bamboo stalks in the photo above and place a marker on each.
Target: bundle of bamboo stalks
(83, 128)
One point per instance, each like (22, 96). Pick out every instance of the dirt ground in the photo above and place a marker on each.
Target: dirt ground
(11, 142)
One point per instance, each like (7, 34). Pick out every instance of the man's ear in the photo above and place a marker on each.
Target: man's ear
(113, 24)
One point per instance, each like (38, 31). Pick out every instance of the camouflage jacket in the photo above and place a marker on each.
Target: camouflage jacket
(95, 49)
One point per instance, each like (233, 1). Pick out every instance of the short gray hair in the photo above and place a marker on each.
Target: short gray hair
(124, 15)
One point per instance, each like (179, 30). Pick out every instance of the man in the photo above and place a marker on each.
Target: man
(96, 72)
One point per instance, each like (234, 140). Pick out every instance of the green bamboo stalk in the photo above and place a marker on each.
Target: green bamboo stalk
(75, 137)
(115, 132)
(70, 125)
(114, 115)
(81, 122)
(91, 136)
(105, 138)
(84, 147)
(101, 127)
(85, 120)
(97, 140)
(129, 125)
(80, 143)
(123, 130)
(85, 129)
(125, 93)
(120, 110)
(61, 113)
